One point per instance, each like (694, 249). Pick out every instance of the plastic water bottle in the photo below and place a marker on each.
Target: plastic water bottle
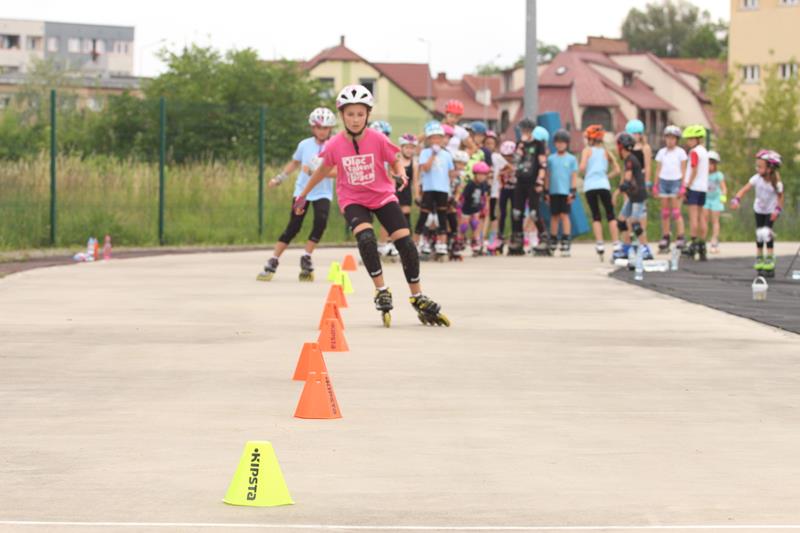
(107, 248)
(675, 260)
(639, 273)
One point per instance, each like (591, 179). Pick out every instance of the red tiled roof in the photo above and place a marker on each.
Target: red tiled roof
(411, 77)
(568, 68)
(700, 67)
(335, 53)
(558, 99)
(640, 94)
(478, 83)
(448, 89)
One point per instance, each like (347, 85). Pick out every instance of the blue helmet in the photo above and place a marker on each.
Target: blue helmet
(634, 126)
(541, 134)
(479, 127)
(382, 126)
(434, 127)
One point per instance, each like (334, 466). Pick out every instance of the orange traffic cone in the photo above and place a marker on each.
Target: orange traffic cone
(336, 296)
(310, 360)
(331, 310)
(331, 337)
(318, 400)
(349, 264)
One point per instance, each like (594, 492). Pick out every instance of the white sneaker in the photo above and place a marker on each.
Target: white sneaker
(425, 247)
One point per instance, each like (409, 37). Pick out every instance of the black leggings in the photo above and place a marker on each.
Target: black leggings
(597, 196)
(506, 197)
(321, 209)
(525, 194)
(765, 221)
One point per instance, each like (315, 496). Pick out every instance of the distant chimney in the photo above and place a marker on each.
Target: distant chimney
(341, 40)
(441, 76)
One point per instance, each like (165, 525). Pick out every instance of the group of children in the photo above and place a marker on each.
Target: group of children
(466, 181)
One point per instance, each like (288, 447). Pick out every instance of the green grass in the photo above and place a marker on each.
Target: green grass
(206, 203)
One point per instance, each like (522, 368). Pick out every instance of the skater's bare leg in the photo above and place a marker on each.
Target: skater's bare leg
(409, 258)
(280, 247)
(566, 226)
(597, 229)
(613, 229)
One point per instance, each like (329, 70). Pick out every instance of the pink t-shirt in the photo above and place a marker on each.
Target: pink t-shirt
(362, 177)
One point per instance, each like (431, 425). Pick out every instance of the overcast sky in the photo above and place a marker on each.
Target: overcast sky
(462, 33)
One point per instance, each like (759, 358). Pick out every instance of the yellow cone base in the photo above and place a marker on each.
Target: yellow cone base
(258, 481)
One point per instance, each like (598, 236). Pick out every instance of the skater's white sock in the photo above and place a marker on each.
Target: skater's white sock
(417, 295)
(383, 288)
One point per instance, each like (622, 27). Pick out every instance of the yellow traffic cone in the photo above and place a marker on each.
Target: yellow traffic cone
(258, 481)
(333, 272)
(344, 281)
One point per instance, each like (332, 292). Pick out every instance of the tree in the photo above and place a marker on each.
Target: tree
(675, 28)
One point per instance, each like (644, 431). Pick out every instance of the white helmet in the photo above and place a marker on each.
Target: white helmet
(322, 117)
(460, 156)
(673, 130)
(714, 156)
(354, 94)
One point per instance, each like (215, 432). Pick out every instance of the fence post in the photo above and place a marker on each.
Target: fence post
(52, 167)
(261, 140)
(162, 155)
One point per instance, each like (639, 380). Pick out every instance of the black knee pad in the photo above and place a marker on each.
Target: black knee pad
(409, 257)
(368, 248)
(622, 225)
(637, 229)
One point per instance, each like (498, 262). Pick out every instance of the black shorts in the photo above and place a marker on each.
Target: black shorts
(559, 204)
(390, 216)
(434, 200)
(404, 196)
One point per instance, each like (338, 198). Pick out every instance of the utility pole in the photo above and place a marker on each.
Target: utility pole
(531, 62)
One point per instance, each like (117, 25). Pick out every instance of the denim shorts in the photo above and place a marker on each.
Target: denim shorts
(668, 188)
(695, 198)
(637, 210)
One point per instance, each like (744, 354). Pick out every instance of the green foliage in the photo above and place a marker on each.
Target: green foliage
(546, 53)
(675, 28)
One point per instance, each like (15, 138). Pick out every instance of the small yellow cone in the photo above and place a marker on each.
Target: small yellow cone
(344, 281)
(258, 481)
(334, 271)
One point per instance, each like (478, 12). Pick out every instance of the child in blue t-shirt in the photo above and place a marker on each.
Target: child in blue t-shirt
(436, 169)
(560, 185)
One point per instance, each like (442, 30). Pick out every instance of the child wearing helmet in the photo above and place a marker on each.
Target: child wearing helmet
(507, 180)
(641, 150)
(473, 202)
(408, 158)
(453, 111)
(531, 165)
(497, 162)
(306, 158)
(634, 187)
(364, 189)
(595, 161)
(436, 171)
(715, 199)
(670, 169)
(696, 183)
(382, 126)
(768, 205)
(561, 185)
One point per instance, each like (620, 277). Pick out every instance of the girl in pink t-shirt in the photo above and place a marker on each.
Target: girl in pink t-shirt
(363, 188)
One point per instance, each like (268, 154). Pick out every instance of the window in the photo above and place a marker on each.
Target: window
(787, 71)
(788, 2)
(369, 83)
(627, 79)
(33, 42)
(5, 101)
(9, 68)
(328, 88)
(751, 73)
(52, 44)
(9, 42)
(504, 120)
(597, 115)
(100, 46)
(74, 45)
(749, 4)
(87, 46)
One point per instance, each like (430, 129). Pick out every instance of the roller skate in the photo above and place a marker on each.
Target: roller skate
(600, 249)
(515, 247)
(647, 253)
(701, 251)
(690, 250)
(428, 311)
(456, 248)
(680, 242)
(306, 268)
(566, 244)
(542, 248)
(440, 250)
(269, 270)
(383, 303)
(552, 244)
(759, 265)
(714, 247)
(424, 249)
(768, 270)
(620, 253)
(388, 253)
(477, 249)
(495, 247)
(663, 244)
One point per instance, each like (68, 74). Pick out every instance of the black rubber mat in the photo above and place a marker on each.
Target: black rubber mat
(725, 284)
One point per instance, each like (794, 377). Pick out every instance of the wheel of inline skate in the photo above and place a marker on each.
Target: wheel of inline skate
(306, 276)
(442, 320)
(265, 276)
(387, 319)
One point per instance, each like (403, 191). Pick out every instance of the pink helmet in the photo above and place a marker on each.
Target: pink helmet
(508, 148)
(448, 129)
(772, 157)
(408, 138)
(480, 168)
(491, 134)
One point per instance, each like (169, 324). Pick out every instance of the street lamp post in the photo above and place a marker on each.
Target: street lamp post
(531, 62)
